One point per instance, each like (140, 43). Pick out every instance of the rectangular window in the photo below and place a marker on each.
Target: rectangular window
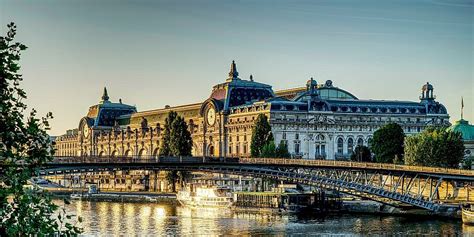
(284, 136)
(297, 136)
(230, 149)
(297, 148)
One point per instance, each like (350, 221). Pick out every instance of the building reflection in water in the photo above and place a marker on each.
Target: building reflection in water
(132, 219)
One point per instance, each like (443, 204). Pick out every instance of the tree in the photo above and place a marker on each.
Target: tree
(166, 139)
(268, 150)
(435, 147)
(176, 141)
(361, 154)
(261, 135)
(181, 143)
(468, 162)
(24, 147)
(387, 143)
(282, 150)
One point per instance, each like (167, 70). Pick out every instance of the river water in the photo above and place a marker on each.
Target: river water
(156, 219)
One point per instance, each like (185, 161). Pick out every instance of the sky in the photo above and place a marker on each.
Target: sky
(156, 53)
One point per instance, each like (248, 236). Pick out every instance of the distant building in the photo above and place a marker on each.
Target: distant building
(467, 130)
(318, 121)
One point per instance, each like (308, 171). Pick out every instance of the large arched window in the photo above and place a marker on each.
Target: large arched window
(340, 146)
(320, 149)
(360, 141)
(350, 146)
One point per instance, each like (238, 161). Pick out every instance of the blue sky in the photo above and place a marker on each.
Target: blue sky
(153, 53)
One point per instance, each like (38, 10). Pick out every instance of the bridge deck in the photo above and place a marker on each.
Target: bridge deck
(469, 174)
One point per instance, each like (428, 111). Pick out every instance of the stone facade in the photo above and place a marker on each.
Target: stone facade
(319, 121)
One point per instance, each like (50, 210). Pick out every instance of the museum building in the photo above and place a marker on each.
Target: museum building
(317, 121)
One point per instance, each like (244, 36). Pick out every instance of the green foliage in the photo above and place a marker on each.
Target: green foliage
(282, 150)
(166, 135)
(268, 150)
(434, 147)
(181, 143)
(261, 135)
(361, 154)
(387, 143)
(24, 147)
(176, 141)
(468, 162)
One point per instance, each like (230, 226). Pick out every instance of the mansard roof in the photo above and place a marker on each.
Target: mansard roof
(341, 101)
(236, 92)
(105, 112)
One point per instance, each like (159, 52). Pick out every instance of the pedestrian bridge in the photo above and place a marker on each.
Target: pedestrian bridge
(430, 188)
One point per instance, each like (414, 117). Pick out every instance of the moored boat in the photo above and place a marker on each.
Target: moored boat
(205, 197)
(468, 215)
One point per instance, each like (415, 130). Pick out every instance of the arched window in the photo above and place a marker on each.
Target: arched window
(211, 150)
(102, 154)
(128, 153)
(156, 152)
(114, 154)
(360, 142)
(297, 148)
(142, 153)
(320, 149)
(369, 139)
(340, 146)
(350, 146)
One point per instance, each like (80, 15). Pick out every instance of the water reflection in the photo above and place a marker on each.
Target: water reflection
(132, 219)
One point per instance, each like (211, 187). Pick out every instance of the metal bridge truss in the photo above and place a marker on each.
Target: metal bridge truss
(376, 186)
(390, 187)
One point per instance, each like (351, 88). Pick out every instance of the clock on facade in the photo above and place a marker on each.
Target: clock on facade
(211, 116)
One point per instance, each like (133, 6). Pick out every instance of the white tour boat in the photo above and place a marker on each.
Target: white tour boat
(205, 197)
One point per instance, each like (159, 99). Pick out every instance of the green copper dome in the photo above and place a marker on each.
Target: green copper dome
(464, 128)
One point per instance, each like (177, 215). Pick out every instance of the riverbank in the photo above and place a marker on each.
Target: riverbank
(115, 196)
(373, 207)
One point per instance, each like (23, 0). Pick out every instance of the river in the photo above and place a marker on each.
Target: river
(156, 219)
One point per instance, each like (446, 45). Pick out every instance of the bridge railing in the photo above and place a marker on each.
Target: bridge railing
(351, 164)
(266, 161)
(138, 160)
